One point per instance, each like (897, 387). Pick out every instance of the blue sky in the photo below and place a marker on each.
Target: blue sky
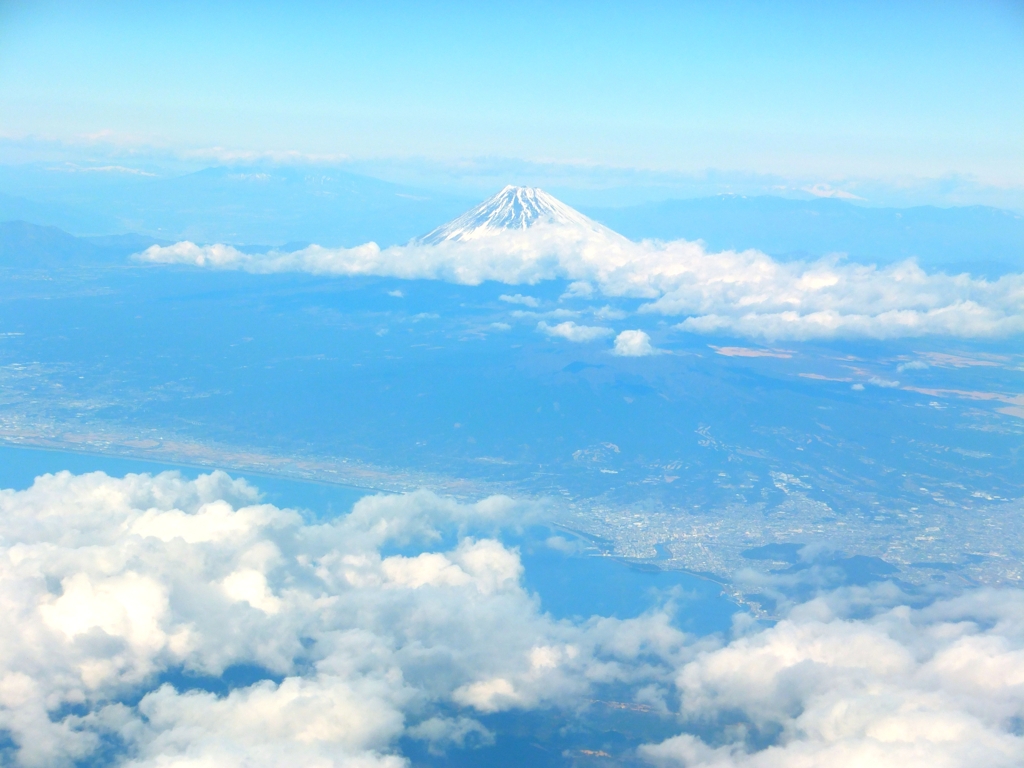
(880, 90)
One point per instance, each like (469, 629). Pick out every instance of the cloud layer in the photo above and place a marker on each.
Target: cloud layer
(121, 596)
(747, 293)
(942, 686)
(109, 586)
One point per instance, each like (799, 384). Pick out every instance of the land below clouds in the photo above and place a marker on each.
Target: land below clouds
(684, 460)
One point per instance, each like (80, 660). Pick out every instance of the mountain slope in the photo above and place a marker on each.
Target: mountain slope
(24, 245)
(262, 203)
(514, 208)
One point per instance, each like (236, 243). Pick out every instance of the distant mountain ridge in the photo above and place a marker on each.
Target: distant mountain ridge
(978, 239)
(26, 245)
(237, 204)
(252, 206)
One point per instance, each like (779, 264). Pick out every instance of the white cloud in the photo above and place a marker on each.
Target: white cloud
(964, 319)
(633, 344)
(578, 289)
(880, 382)
(747, 294)
(106, 584)
(579, 333)
(913, 365)
(610, 313)
(526, 301)
(939, 686)
(552, 314)
(442, 732)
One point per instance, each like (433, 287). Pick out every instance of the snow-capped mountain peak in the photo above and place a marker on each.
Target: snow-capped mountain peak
(511, 209)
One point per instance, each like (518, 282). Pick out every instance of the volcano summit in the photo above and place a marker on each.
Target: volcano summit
(514, 208)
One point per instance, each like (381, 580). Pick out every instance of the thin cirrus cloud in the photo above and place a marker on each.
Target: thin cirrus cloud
(743, 293)
(109, 585)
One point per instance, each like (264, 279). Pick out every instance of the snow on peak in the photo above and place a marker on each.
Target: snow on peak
(511, 209)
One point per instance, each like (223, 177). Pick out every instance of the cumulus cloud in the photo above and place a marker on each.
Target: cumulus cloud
(518, 298)
(610, 313)
(938, 686)
(579, 289)
(579, 333)
(746, 293)
(108, 586)
(633, 344)
(116, 593)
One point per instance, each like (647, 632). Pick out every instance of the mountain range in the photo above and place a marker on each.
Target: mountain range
(978, 239)
(25, 246)
(258, 208)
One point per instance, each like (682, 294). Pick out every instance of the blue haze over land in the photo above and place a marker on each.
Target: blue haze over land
(710, 478)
